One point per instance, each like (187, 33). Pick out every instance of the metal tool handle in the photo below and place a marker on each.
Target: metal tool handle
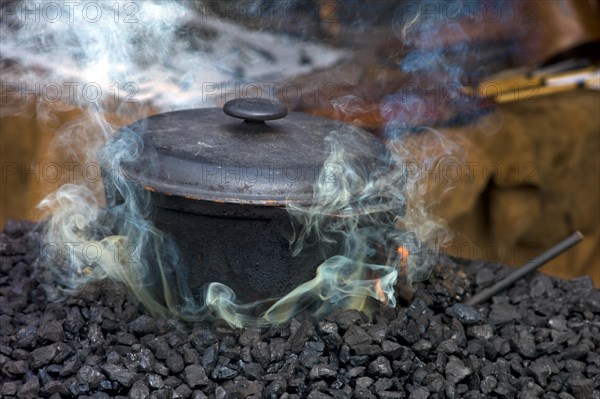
(529, 267)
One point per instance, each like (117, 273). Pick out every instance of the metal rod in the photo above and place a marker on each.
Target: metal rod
(525, 269)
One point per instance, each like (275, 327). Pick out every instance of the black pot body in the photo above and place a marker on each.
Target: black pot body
(244, 247)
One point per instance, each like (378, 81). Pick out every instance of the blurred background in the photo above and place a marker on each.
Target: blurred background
(515, 84)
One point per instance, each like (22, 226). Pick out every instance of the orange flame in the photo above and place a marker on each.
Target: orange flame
(380, 292)
(403, 252)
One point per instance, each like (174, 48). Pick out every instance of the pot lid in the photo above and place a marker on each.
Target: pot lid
(250, 152)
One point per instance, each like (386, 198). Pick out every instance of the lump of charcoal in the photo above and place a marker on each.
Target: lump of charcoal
(74, 320)
(155, 381)
(355, 336)
(576, 352)
(139, 390)
(448, 347)
(316, 394)
(202, 337)
(364, 382)
(44, 355)
(531, 391)
(383, 384)
(125, 338)
(344, 354)
(142, 325)
(488, 384)
(175, 362)
(363, 393)
(261, 353)
(79, 388)
(581, 387)
(296, 386)
(592, 301)
(51, 331)
(356, 372)
(222, 373)
(377, 332)
(30, 389)
(380, 367)
(26, 337)
(277, 349)
(483, 331)
(502, 313)
(54, 387)
(419, 374)
(419, 393)
(574, 366)
(90, 375)
(333, 341)
(327, 327)
(464, 313)
(458, 333)
(313, 348)
(371, 350)
(456, 370)
(275, 389)
(172, 382)
(346, 318)
(422, 347)
(359, 360)
(242, 388)
(16, 367)
(210, 356)
(391, 395)
(434, 382)
(301, 329)
(195, 376)
(119, 374)
(249, 336)
(182, 391)
(484, 278)
(253, 371)
(72, 365)
(524, 341)
(541, 368)
(321, 371)
(9, 388)
(391, 349)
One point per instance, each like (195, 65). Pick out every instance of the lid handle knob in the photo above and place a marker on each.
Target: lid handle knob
(255, 110)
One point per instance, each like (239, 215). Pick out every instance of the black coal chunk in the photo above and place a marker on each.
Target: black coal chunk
(321, 371)
(223, 373)
(175, 362)
(380, 367)
(456, 370)
(119, 374)
(464, 313)
(195, 376)
(51, 331)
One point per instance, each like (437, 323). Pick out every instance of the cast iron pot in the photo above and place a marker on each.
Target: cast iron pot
(219, 186)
